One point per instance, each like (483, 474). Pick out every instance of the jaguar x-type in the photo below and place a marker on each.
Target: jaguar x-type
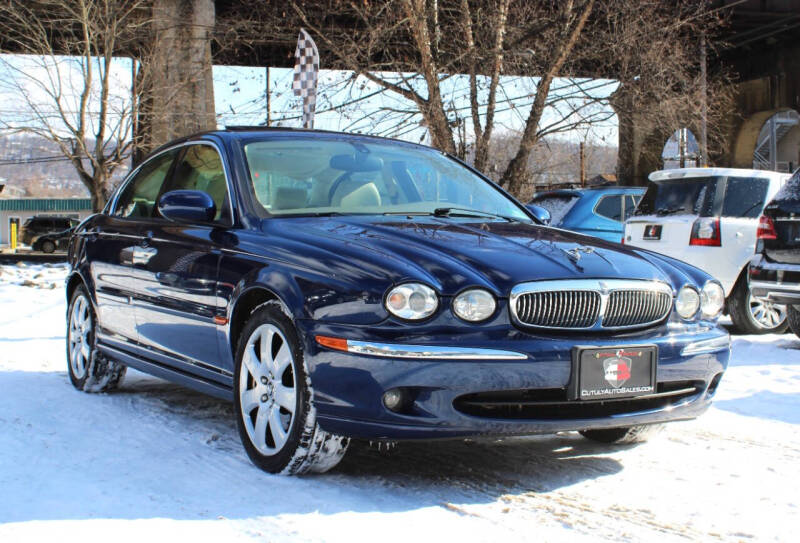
(338, 286)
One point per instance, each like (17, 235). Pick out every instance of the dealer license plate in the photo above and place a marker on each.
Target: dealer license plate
(652, 232)
(613, 372)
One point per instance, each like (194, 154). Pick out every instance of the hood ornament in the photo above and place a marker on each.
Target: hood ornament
(575, 254)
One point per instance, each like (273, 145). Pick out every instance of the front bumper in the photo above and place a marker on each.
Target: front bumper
(448, 394)
(779, 283)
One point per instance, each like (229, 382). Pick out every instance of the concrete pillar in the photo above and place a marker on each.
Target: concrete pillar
(639, 151)
(178, 99)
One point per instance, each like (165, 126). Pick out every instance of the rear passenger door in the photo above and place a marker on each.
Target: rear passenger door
(176, 275)
(607, 222)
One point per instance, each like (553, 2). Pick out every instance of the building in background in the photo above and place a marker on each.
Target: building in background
(19, 210)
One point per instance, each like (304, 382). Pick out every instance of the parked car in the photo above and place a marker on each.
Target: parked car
(40, 225)
(337, 286)
(49, 243)
(599, 212)
(709, 218)
(775, 268)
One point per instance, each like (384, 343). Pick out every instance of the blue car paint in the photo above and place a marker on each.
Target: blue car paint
(583, 219)
(172, 316)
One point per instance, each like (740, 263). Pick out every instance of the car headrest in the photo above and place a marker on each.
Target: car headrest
(289, 198)
(364, 196)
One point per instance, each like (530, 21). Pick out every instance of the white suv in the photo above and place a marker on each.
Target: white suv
(709, 217)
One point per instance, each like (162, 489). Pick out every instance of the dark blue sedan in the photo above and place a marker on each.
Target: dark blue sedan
(599, 211)
(338, 286)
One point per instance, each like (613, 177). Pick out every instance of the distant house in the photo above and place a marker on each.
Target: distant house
(602, 179)
(19, 210)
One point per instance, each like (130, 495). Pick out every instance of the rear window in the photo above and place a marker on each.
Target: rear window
(744, 197)
(693, 196)
(791, 190)
(558, 206)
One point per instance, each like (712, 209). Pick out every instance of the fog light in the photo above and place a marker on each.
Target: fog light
(394, 399)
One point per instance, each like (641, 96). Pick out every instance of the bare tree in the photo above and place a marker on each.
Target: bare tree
(66, 80)
(458, 64)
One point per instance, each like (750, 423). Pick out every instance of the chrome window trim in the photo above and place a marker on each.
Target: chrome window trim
(430, 352)
(226, 172)
(604, 287)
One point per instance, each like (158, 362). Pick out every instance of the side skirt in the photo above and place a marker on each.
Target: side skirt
(199, 384)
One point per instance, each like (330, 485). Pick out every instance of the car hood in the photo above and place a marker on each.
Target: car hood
(454, 253)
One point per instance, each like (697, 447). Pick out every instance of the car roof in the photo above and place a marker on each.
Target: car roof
(237, 131)
(587, 190)
(683, 173)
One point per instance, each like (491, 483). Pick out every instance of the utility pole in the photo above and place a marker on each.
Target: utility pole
(682, 147)
(269, 120)
(583, 164)
(703, 104)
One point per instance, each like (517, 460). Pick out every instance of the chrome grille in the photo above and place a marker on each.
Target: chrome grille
(635, 307)
(559, 309)
(590, 304)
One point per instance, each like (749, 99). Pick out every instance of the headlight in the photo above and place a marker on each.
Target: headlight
(712, 299)
(474, 305)
(687, 303)
(412, 301)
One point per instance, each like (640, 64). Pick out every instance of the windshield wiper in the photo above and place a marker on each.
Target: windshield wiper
(466, 212)
(669, 210)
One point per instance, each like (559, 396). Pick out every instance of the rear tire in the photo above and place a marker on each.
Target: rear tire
(793, 319)
(754, 316)
(48, 247)
(89, 369)
(275, 415)
(631, 434)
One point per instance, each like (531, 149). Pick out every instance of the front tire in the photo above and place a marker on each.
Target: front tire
(89, 370)
(752, 315)
(630, 434)
(275, 416)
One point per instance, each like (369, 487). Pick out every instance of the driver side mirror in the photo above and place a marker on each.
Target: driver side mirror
(189, 206)
(540, 213)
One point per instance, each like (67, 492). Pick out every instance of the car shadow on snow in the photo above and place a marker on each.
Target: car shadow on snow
(765, 405)
(157, 450)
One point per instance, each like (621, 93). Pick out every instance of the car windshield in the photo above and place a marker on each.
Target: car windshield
(306, 176)
(692, 196)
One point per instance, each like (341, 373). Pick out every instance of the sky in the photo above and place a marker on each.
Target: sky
(344, 104)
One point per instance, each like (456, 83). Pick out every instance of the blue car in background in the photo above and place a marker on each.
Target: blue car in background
(599, 212)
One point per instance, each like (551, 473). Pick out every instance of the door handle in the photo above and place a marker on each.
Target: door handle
(739, 234)
(142, 255)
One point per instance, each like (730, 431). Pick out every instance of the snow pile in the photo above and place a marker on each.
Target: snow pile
(154, 461)
(46, 276)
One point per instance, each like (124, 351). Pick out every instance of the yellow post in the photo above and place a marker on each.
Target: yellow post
(14, 236)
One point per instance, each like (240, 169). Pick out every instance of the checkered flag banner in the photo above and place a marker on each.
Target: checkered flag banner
(306, 68)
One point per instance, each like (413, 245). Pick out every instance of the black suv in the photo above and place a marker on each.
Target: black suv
(775, 268)
(40, 225)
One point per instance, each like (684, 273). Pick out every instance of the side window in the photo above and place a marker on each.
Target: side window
(138, 198)
(630, 205)
(201, 168)
(610, 207)
(744, 197)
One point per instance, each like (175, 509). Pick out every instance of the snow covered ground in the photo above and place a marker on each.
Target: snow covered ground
(154, 461)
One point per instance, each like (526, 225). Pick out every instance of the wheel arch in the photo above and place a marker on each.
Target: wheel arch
(244, 305)
(74, 280)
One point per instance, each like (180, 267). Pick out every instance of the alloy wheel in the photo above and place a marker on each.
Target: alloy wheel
(267, 389)
(80, 327)
(765, 313)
